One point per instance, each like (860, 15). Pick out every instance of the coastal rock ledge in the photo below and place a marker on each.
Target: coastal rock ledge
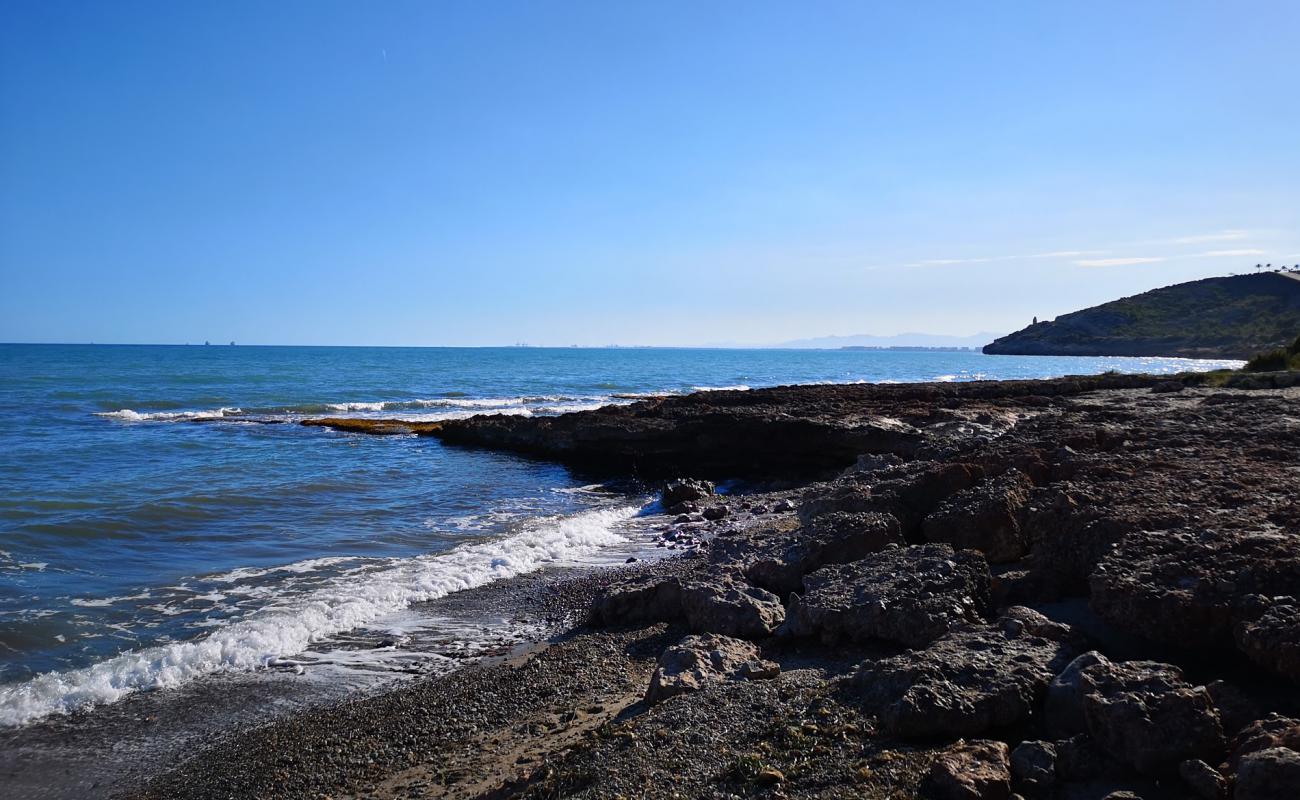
(1080, 588)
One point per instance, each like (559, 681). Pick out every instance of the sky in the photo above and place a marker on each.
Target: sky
(480, 173)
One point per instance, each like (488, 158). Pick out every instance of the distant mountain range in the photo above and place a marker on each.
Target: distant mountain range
(1232, 317)
(898, 340)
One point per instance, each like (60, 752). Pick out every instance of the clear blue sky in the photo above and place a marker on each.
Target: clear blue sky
(641, 173)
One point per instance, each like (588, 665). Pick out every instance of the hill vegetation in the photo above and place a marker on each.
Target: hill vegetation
(1231, 317)
(1276, 360)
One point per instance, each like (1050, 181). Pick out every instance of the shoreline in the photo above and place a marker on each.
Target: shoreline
(1071, 498)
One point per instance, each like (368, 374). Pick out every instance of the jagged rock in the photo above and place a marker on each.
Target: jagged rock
(685, 490)
(1033, 766)
(718, 606)
(779, 562)
(731, 609)
(975, 678)
(716, 512)
(1273, 639)
(1272, 774)
(699, 660)
(911, 595)
(1204, 780)
(1274, 730)
(985, 517)
(1236, 708)
(1079, 759)
(909, 492)
(1063, 711)
(1069, 532)
(1191, 588)
(1017, 619)
(974, 770)
(639, 601)
(1145, 714)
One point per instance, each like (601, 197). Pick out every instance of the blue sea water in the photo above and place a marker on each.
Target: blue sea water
(151, 533)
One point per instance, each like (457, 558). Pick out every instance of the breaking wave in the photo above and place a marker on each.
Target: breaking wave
(289, 626)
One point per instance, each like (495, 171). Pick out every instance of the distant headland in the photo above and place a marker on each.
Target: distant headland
(1229, 317)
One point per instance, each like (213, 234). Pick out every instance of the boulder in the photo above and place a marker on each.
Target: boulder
(1079, 759)
(638, 601)
(1204, 780)
(908, 492)
(780, 562)
(910, 595)
(1144, 714)
(984, 517)
(975, 678)
(1274, 730)
(717, 512)
(1191, 588)
(1063, 711)
(1265, 760)
(974, 770)
(1272, 640)
(685, 490)
(1033, 766)
(697, 661)
(720, 605)
(1271, 774)
(731, 608)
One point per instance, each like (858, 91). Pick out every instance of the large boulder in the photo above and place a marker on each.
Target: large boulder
(1063, 711)
(1272, 774)
(910, 595)
(1272, 640)
(638, 601)
(716, 605)
(908, 492)
(1274, 730)
(974, 770)
(697, 661)
(1033, 766)
(1265, 760)
(984, 517)
(779, 560)
(731, 608)
(1145, 714)
(1191, 588)
(975, 678)
(685, 490)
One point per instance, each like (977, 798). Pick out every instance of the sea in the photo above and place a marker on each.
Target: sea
(163, 521)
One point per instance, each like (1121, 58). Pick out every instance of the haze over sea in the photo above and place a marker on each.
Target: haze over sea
(151, 533)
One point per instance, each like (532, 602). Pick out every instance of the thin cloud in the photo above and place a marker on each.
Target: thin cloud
(1118, 262)
(1243, 252)
(1221, 236)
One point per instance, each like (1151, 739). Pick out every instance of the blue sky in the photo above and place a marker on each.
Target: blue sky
(641, 173)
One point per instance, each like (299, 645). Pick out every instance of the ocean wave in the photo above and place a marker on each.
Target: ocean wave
(737, 388)
(297, 567)
(290, 626)
(169, 416)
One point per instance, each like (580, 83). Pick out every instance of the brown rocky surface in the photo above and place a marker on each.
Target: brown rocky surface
(696, 661)
(974, 770)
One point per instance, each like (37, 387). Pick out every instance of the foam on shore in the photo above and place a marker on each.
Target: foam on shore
(288, 628)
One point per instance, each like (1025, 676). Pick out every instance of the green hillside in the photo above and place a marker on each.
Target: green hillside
(1233, 317)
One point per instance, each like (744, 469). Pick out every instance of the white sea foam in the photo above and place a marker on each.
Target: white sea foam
(169, 416)
(737, 388)
(309, 565)
(291, 626)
